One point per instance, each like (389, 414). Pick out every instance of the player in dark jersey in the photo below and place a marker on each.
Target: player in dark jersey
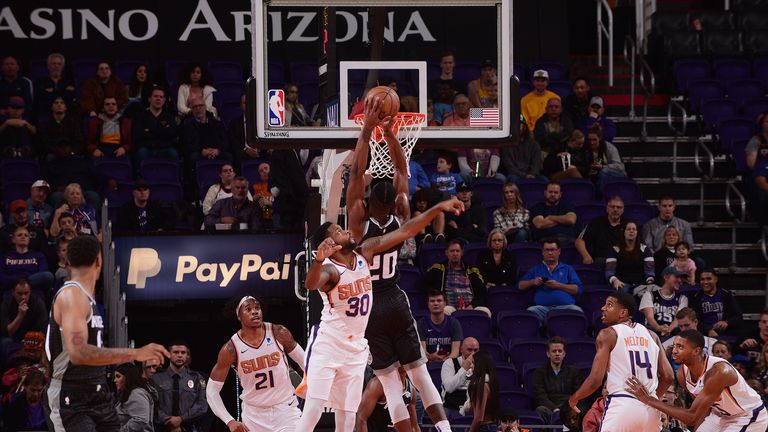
(372, 415)
(78, 398)
(391, 330)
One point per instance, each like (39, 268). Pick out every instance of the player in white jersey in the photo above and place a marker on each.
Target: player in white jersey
(338, 351)
(722, 399)
(626, 349)
(257, 351)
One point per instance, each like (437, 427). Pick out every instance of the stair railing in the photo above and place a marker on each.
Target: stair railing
(644, 9)
(629, 57)
(678, 132)
(648, 84)
(730, 191)
(607, 31)
(764, 243)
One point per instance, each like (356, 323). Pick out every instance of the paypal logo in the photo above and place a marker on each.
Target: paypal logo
(144, 264)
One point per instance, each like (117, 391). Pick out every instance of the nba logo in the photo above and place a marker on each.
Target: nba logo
(276, 107)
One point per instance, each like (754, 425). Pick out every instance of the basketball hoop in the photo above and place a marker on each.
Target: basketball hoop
(407, 127)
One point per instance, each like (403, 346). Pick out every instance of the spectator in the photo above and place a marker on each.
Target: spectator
(684, 264)
(552, 129)
(443, 179)
(596, 241)
(720, 313)
(512, 218)
(554, 217)
(480, 90)
(53, 86)
(447, 66)
(62, 272)
(109, 133)
(752, 344)
(13, 84)
(140, 88)
(570, 161)
(455, 375)
(479, 163)
(630, 263)
(21, 312)
(597, 116)
(460, 115)
(722, 349)
(440, 334)
(17, 135)
(687, 320)
(135, 406)
(204, 135)
(195, 80)
(757, 147)
(222, 189)
(522, 159)
(533, 105)
(660, 305)
(68, 227)
(665, 255)
(470, 224)
(556, 284)
(181, 391)
(99, 87)
(593, 419)
(653, 230)
(84, 214)
(761, 368)
(554, 383)
(576, 104)
(142, 215)
(61, 135)
(509, 421)
(443, 104)
(497, 265)
(236, 138)
(483, 392)
(435, 232)
(602, 158)
(295, 113)
(418, 179)
(154, 130)
(291, 190)
(37, 238)
(760, 176)
(25, 411)
(463, 285)
(262, 194)
(41, 211)
(21, 262)
(236, 211)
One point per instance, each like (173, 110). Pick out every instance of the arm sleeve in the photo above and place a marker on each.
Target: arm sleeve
(494, 165)
(213, 396)
(464, 165)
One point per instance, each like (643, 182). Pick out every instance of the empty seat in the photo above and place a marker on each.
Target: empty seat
(304, 72)
(556, 70)
(754, 20)
(754, 107)
(516, 399)
(561, 88)
(172, 69)
(729, 70)
(471, 251)
(207, 172)
(531, 191)
(721, 43)
(501, 299)
(226, 70)
(82, 69)
(590, 275)
(487, 192)
(466, 71)
(159, 170)
(517, 325)
(493, 347)
(523, 351)
(275, 72)
(682, 44)
(167, 191)
(624, 187)
(526, 374)
(566, 323)
(434, 373)
(739, 156)
(113, 168)
(715, 110)
(639, 211)
(230, 110)
(735, 129)
(309, 95)
(528, 257)
(717, 20)
(580, 350)
(229, 91)
(588, 211)
(476, 324)
(756, 42)
(409, 278)
(507, 375)
(13, 190)
(577, 190)
(687, 71)
(741, 90)
(430, 253)
(121, 195)
(701, 91)
(19, 170)
(591, 301)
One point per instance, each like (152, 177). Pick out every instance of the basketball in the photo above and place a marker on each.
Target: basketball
(390, 100)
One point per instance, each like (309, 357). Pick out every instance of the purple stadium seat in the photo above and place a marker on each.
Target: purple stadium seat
(702, 91)
(527, 257)
(517, 325)
(525, 88)
(590, 275)
(529, 418)
(566, 323)
(18, 170)
(493, 347)
(434, 372)
(593, 300)
(577, 190)
(123, 194)
(207, 172)
(507, 375)
(126, 67)
(409, 278)
(159, 170)
(689, 70)
(733, 130)
(760, 66)
(754, 107)
(82, 69)
(172, 68)
(639, 211)
(580, 350)
(597, 322)
(229, 111)
(112, 212)
(526, 373)
(309, 94)
(731, 69)
(38, 68)
(430, 253)
(170, 192)
(561, 88)
(229, 91)
(739, 155)
(13, 190)
(489, 209)
(520, 71)
(531, 191)
(276, 72)
(226, 70)
(249, 169)
(556, 70)
(304, 72)
(474, 323)
(418, 302)
(715, 110)
(466, 71)
(119, 169)
(471, 250)
(487, 190)
(624, 187)
(501, 299)
(517, 399)
(740, 91)
(585, 212)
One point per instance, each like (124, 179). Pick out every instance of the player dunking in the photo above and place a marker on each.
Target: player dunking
(78, 397)
(258, 352)
(723, 401)
(338, 351)
(626, 349)
(392, 332)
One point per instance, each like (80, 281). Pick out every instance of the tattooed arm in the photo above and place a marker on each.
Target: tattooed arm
(294, 350)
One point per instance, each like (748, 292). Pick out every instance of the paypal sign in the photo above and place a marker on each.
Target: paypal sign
(205, 267)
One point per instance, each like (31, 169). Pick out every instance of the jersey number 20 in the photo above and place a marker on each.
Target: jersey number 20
(385, 262)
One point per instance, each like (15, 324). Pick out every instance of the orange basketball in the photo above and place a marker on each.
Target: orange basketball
(389, 98)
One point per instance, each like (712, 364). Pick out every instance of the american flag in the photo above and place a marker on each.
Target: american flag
(484, 117)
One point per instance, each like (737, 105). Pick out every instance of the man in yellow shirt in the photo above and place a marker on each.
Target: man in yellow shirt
(534, 104)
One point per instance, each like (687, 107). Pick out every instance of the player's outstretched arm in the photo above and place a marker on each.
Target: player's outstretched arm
(605, 342)
(716, 380)
(666, 373)
(400, 180)
(322, 276)
(227, 357)
(371, 395)
(374, 245)
(356, 185)
(294, 350)
(72, 311)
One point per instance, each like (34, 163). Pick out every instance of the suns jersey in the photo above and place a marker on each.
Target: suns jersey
(263, 371)
(738, 399)
(346, 305)
(384, 272)
(635, 354)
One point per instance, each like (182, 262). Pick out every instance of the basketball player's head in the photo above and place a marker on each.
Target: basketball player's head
(688, 346)
(382, 199)
(84, 252)
(619, 307)
(340, 236)
(249, 312)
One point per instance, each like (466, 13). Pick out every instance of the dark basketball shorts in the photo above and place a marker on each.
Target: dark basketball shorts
(391, 332)
(80, 407)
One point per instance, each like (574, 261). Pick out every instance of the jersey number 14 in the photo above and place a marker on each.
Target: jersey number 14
(637, 362)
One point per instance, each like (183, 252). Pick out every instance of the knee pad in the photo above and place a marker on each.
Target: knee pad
(393, 391)
(424, 384)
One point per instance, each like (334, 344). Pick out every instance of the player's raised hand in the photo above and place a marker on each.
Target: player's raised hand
(327, 248)
(372, 112)
(452, 205)
(637, 389)
(236, 426)
(152, 352)
(387, 124)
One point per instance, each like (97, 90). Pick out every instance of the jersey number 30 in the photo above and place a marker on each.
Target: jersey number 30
(359, 305)
(635, 361)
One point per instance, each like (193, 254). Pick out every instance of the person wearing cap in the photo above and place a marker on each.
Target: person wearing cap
(470, 225)
(16, 133)
(480, 91)
(109, 133)
(660, 305)
(534, 104)
(257, 339)
(142, 215)
(576, 104)
(20, 214)
(41, 213)
(596, 110)
(13, 84)
(22, 262)
(553, 128)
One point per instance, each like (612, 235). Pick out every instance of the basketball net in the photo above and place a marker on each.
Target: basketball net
(407, 127)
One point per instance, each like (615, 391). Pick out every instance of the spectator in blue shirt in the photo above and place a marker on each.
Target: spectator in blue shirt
(23, 263)
(440, 334)
(444, 180)
(556, 284)
(554, 217)
(418, 179)
(596, 115)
